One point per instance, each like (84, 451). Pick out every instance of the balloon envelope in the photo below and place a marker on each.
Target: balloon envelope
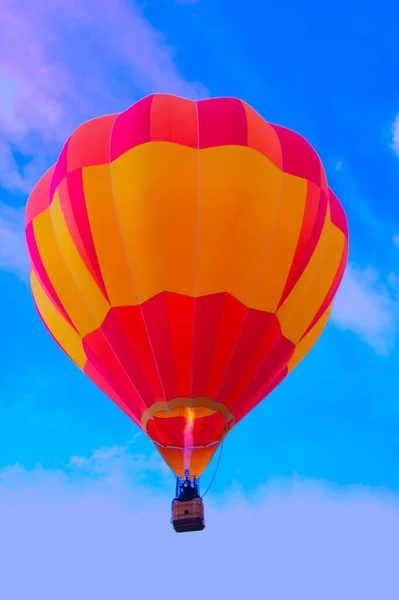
(185, 255)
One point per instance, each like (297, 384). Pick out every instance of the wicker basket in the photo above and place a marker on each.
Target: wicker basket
(188, 515)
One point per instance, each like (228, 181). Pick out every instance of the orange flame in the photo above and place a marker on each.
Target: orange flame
(188, 438)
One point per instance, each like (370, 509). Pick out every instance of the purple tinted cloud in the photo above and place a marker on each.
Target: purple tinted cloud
(61, 63)
(77, 59)
(97, 530)
(73, 61)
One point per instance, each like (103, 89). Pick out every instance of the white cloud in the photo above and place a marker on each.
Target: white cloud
(364, 305)
(98, 530)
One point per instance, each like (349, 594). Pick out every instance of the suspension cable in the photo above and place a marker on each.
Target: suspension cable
(216, 470)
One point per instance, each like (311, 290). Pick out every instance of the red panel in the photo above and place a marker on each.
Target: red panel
(271, 344)
(232, 319)
(262, 137)
(41, 273)
(208, 429)
(311, 229)
(39, 199)
(60, 170)
(208, 315)
(112, 368)
(255, 327)
(299, 158)
(134, 360)
(235, 349)
(174, 119)
(72, 227)
(129, 321)
(337, 213)
(131, 128)
(79, 219)
(244, 345)
(156, 317)
(256, 389)
(169, 432)
(89, 144)
(323, 180)
(317, 230)
(222, 122)
(181, 323)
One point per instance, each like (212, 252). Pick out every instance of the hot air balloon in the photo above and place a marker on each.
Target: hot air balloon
(185, 255)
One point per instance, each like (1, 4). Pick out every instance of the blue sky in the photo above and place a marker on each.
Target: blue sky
(321, 468)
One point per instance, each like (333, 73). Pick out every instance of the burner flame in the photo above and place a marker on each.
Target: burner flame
(188, 438)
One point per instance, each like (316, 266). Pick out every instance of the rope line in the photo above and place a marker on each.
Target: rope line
(216, 470)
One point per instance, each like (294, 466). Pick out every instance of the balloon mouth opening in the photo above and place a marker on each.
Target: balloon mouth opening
(190, 409)
(187, 431)
(190, 414)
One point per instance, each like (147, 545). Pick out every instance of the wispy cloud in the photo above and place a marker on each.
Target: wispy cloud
(366, 216)
(367, 307)
(72, 61)
(99, 533)
(395, 135)
(367, 301)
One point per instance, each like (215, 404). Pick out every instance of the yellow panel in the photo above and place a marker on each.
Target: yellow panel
(239, 193)
(156, 192)
(65, 335)
(307, 343)
(282, 245)
(231, 203)
(306, 298)
(60, 276)
(155, 188)
(107, 238)
(80, 274)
